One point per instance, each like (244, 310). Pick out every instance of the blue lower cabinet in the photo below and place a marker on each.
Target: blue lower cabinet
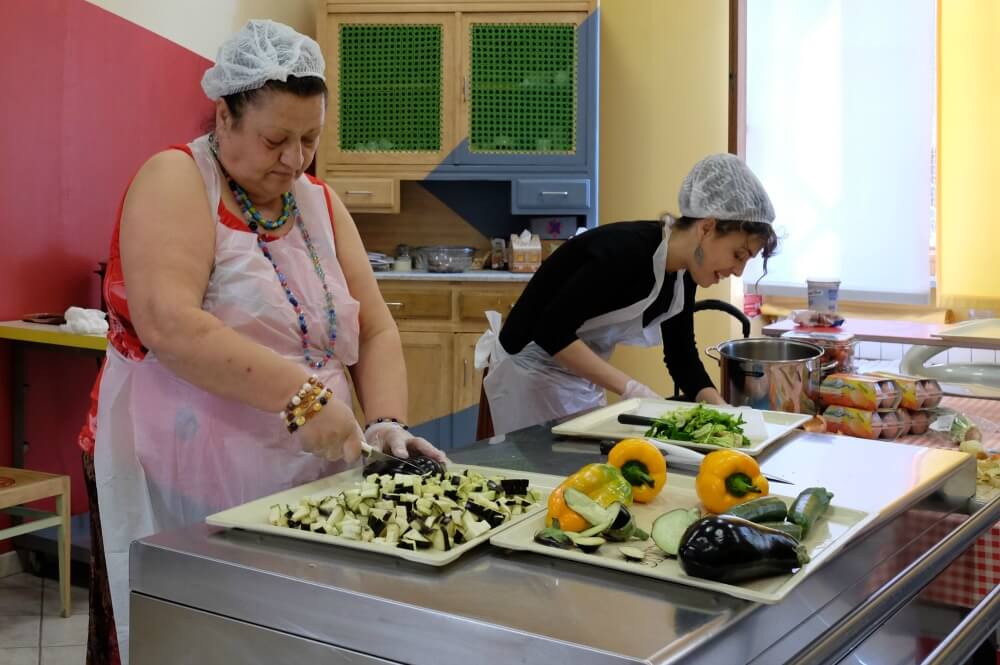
(452, 431)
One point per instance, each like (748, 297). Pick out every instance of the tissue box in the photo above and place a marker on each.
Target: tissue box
(525, 252)
(553, 228)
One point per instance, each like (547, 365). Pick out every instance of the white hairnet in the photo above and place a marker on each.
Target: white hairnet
(723, 187)
(262, 51)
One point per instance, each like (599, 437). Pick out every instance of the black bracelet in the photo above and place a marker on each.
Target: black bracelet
(388, 420)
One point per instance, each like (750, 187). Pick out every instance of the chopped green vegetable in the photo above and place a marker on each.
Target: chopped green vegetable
(701, 424)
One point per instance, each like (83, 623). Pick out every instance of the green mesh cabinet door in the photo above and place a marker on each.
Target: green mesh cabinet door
(521, 84)
(392, 101)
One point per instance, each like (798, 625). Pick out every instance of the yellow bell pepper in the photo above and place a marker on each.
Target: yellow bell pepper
(727, 478)
(601, 482)
(643, 466)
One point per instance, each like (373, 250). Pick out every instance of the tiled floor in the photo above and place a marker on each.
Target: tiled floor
(32, 632)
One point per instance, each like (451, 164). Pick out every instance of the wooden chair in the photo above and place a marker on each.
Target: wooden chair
(20, 486)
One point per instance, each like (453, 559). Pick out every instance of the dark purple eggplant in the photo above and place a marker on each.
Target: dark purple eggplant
(732, 550)
(391, 467)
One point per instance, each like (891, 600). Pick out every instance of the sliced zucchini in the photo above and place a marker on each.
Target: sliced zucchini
(585, 507)
(669, 527)
(632, 553)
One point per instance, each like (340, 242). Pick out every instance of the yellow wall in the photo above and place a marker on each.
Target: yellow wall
(664, 106)
(968, 155)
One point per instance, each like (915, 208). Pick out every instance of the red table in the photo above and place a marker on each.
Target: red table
(977, 571)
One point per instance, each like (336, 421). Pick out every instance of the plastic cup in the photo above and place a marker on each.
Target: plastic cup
(822, 294)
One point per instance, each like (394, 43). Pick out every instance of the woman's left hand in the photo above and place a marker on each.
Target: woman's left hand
(392, 439)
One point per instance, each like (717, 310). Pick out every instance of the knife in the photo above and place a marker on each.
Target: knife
(676, 454)
(373, 454)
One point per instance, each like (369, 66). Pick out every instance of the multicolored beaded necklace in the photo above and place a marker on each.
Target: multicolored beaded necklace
(290, 210)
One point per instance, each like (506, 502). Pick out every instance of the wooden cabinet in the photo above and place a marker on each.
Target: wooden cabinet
(439, 324)
(466, 380)
(460, 89)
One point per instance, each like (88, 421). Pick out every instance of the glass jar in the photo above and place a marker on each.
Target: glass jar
(837, 347)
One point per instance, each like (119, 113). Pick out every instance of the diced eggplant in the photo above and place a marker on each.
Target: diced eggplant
(514, 486)
(375, 524)
(492, 517)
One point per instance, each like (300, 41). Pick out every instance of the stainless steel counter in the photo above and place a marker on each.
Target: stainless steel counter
(205, 595)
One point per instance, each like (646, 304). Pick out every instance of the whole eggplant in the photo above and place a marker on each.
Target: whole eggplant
(730, 549)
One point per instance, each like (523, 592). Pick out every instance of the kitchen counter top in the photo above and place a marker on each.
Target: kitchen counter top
(888, 331)
(262, 598)
(468, 276)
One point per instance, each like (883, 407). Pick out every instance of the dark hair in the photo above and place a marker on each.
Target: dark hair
(300, 86)
(761, 230)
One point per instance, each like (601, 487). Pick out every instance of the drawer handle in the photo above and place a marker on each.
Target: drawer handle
(555, 193)
(396, 305)
(359, 192)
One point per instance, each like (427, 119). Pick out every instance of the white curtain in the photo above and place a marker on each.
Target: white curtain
(840, 129)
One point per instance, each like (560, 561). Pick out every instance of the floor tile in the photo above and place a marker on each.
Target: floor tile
(20, 657)
(20, 594)
(76, 655)
(52, 603)
(19, 631)
(69, 631)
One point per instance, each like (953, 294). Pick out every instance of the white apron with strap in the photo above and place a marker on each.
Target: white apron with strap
(167, 453)
(531, 387)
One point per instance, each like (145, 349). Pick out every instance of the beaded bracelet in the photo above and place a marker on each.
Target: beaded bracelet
(394, 421)
(305, 403)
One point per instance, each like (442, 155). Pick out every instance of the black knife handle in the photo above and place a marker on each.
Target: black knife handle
(632, 419)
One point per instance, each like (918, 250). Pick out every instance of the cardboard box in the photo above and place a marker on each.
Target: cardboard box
(554, 228)
(525, 252)
(860, 392)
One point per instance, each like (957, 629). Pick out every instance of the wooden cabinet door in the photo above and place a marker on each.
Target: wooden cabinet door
(523, 88)
(392, 88)
(467, 380)
(429, 359)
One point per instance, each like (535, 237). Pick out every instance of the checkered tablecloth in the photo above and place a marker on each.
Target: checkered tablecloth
(977, 571)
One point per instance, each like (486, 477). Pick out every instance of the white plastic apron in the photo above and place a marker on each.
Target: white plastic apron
(531, 387)
(167, 453)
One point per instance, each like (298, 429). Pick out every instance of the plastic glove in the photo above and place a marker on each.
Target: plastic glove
(635, 389)
(392, 439)
(333, 433)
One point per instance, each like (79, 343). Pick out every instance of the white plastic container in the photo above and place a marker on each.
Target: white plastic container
(823, 294)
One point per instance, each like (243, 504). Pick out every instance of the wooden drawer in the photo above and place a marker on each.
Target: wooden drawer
(417, 303)
(472, 304)
(368, 194)
(550, 195)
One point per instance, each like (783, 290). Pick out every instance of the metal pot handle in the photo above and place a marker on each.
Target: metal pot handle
(718, 358)
(829, 367)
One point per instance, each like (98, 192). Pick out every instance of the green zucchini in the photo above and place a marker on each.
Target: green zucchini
(793, 530)
(809, 506)
(763, 509)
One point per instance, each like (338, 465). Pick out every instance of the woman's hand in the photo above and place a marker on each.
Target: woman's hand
(333, 433)
(634, 388)
(392, 439)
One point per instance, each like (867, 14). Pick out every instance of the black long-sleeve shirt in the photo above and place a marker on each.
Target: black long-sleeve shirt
(597, 272)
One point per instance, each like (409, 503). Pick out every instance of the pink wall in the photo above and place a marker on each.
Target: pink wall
(90, 96)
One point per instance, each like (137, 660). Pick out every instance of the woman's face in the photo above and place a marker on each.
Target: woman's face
(272, 143)
(722, 255)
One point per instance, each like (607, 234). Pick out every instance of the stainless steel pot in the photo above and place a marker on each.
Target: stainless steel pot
(770, 373)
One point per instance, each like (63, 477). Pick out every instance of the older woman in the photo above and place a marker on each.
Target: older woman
(627, 283)
(240, 296)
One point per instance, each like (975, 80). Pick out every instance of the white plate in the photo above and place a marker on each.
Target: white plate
(253, 516)
(986, 331)
(830, 533)
(603, 423)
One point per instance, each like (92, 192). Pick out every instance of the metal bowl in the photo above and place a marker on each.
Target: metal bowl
(444, 258)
